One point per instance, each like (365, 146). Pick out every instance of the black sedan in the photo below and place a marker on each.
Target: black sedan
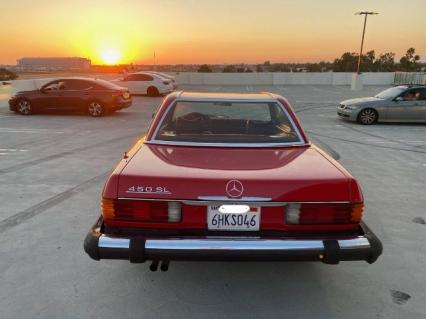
(93, 96)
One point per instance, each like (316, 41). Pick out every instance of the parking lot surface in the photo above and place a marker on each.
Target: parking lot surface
(52, 170)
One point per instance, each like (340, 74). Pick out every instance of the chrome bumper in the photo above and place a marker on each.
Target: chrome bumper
(138, 249)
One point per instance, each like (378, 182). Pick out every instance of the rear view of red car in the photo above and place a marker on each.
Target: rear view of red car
(230, 177)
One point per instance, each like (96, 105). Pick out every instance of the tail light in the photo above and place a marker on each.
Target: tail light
(327, 213)
(141, 211)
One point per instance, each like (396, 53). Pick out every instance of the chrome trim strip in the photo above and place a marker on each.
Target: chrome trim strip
(232, 244)
(301, 142)
(242, 199)
(109, 242)
(357, 243)
(228, 200)
(224, 99)
(177, 143)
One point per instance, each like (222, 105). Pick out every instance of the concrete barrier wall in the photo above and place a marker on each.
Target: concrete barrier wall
(229, 79)
(224, 78)
(27, 85)
(378, 78)
(281, 78)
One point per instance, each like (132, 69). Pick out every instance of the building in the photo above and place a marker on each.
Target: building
(53, 63)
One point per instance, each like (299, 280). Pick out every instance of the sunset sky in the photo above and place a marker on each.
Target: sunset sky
(207, 31)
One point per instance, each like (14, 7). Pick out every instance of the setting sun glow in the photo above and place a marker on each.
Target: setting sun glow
(209, 31)
(111, 56)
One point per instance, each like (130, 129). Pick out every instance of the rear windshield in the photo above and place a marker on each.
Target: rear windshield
(227, 122)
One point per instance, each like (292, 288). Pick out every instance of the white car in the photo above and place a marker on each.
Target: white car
(166, 76)
(146, 83)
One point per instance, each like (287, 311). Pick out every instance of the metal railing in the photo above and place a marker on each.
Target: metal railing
(410, 78)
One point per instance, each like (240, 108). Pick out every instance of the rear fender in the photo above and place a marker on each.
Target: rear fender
(111, 186)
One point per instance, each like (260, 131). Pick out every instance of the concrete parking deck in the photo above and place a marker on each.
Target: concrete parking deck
(52, 170)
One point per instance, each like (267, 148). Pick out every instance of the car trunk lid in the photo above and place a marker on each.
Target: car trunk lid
(268, 174)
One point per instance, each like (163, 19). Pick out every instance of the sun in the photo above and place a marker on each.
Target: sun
(111, 56)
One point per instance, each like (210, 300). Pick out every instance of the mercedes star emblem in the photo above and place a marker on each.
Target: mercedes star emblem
(234, 188)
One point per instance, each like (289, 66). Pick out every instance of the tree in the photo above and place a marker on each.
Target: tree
(259, 68)
(279, 67)
(313, 67)
(368, 62)
(346, 63)
(204, 69)
(409, 62)
(386, 62)
(229, 69)
(6, 75)
(349, 60)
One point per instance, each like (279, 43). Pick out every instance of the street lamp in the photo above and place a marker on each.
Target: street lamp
(365, 13)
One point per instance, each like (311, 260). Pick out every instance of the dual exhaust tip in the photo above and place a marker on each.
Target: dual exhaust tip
(163, 267)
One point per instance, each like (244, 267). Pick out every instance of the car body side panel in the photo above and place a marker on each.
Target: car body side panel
(137, 87)
(399, 110)
(422, 110)
(46, 101)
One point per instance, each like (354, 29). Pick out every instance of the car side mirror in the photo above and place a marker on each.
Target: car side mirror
(43, 90)
(399, 99)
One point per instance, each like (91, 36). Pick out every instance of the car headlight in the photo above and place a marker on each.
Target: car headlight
(352, 107)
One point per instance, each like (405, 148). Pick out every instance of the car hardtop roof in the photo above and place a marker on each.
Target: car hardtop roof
(224, 96)
(142, 72)
(81, 78)
(107, 84)
(410, 86)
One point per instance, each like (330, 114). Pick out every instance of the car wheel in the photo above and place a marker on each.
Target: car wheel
(95, 109)
(24, 107)
(153, 91)
(368, 117)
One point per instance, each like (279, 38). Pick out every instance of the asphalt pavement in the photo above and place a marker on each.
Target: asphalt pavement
(52, 170)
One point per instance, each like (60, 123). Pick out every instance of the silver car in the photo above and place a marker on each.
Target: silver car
(403, 103)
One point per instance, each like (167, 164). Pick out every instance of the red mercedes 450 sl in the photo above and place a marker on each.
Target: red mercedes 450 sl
(230, 177)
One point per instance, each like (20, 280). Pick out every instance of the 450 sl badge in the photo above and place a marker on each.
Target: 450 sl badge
(148, 190)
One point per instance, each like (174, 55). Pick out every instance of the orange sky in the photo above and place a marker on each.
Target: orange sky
(206, 31)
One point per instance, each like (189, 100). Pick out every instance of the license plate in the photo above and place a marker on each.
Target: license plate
(249, 221)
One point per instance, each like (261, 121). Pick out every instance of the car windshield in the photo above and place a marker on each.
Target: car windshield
(227, 122)
(390, 93)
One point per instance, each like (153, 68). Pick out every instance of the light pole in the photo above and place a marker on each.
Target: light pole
(365, 13)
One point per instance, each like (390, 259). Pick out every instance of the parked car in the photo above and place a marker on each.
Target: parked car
(146, 83)
(94, 96)
(166, 76)
(402, 103)
(222, 176)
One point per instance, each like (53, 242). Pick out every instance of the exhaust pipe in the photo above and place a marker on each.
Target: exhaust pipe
(154, 265)
(165, 265)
